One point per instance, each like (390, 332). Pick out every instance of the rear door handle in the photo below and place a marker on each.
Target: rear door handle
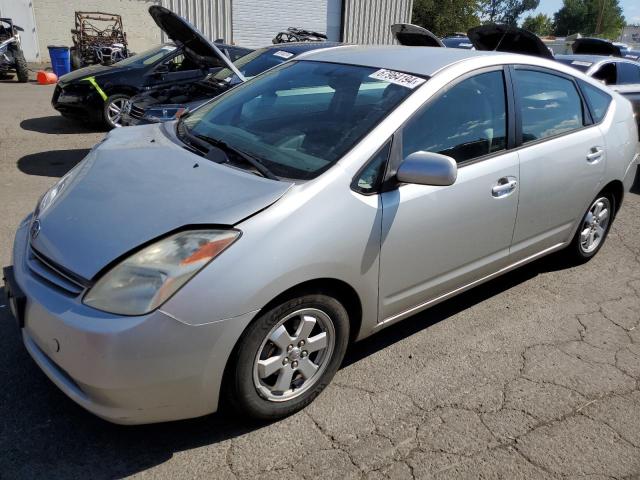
(504, 187)
(595, 155)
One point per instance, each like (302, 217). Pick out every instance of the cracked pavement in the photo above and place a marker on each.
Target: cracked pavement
(533, 375)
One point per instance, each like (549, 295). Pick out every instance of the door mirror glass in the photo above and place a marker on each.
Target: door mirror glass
(428, 168)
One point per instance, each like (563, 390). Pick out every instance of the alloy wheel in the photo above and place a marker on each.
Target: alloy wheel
(294, 354)
(116, 109)
(594, 225)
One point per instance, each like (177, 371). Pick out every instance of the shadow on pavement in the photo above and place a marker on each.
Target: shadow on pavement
(44, 432)
(57, 124)
(54, 163)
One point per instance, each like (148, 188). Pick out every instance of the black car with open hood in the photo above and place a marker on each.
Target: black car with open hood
(414, 36)
(505, 38)
(99, 93)
(166, 103)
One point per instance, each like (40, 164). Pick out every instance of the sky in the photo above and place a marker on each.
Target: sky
(630, 9)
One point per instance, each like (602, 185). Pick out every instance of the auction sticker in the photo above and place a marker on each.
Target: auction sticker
(399, 78)
(581, 63)
(282, 54)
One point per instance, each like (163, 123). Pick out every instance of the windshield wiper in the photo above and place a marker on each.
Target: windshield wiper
(250, 159)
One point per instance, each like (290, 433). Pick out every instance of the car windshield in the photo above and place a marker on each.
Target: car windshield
(582, 65)
(148, 57)
(302, 117)
(253, 64)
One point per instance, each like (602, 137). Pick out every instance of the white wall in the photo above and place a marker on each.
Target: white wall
(55, 19)
(256, 22)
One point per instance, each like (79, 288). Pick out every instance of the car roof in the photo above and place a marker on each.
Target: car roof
(300, 47)
(423, 61)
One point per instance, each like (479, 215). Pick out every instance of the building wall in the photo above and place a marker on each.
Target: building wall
(55, 19)
(368, 21)
(256, 22)
(211, 17)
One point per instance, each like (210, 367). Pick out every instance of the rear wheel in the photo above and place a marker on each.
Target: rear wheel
(113, 110)
(593, 229)
(22, 70)
(287, 356)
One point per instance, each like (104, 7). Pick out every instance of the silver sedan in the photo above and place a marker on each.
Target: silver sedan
(236, 253)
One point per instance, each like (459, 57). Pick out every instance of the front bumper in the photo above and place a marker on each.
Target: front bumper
(80, 105)
(127, 370)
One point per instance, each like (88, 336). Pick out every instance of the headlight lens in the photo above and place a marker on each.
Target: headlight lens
(54, 192)
(146, 279)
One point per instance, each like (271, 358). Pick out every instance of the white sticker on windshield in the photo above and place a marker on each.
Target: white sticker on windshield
(399, 78)
(282, 54)
(581, 63)
(466, 45)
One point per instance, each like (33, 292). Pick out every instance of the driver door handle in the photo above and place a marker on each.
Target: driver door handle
(504, 187)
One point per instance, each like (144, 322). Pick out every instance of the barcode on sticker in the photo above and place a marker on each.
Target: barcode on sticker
(399, 78)
(581, 63)
(282, 54)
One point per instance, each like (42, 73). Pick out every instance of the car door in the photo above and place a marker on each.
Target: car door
(562, 159)
(438, 238)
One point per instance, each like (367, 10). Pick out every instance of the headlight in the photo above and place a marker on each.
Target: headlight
(146, 279)
(164, 113)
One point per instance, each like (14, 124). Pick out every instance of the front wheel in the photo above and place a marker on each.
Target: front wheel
(593, 229)
(113, 110)
(22, 70)
(287, 356)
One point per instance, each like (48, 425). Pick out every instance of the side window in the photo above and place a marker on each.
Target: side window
(597, 99)
(607, 74)
(370, 177)
(628, 73)
(468, 121)
(549, 105)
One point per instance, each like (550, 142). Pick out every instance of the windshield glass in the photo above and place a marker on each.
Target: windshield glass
(582, 65)
(302, 117)
(254, 63)
(148, 57)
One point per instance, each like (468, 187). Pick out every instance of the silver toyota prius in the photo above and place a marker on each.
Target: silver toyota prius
(232, 256)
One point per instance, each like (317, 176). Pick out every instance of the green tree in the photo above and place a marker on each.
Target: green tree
(506, 11)
(443, 17)
(540, 24)
(601, 18)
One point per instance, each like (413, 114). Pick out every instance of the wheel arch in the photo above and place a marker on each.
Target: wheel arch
(615, 188)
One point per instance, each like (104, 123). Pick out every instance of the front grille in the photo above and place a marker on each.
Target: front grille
(55, 275)
(136, 111)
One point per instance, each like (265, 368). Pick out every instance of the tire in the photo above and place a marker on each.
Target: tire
(76, 59)
(22, 70)
(109, 115)
(592, 234)
(253, 390)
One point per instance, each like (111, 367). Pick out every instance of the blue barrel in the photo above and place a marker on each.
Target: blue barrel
(60, 60)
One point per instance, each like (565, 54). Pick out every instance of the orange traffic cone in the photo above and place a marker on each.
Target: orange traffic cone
(46, 78)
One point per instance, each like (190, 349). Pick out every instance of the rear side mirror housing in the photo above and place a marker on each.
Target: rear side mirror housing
(427, 168)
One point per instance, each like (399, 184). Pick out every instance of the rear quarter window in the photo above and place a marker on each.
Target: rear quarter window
(597, 100)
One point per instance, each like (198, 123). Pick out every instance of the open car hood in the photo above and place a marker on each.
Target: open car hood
(505, 38)
(196, 46)
(595, 46)
(414, 36)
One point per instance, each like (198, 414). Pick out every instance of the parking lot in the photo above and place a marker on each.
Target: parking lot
(533, 375)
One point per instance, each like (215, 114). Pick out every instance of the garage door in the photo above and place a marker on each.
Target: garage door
(256, 22)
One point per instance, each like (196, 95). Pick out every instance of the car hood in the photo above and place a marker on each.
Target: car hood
(505, 38)
(91, 71)
(136, 186)
(414, 36)
(595, 46)
(196, 46)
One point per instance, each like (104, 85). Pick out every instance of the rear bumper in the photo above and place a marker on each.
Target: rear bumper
(127, 370)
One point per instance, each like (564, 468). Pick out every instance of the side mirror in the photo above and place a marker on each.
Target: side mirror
(161, 70)
(427, 168)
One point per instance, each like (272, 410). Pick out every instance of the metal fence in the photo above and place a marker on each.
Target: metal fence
(368, 21)
(212, 17)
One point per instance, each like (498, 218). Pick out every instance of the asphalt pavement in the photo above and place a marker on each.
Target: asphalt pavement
(533, 375)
